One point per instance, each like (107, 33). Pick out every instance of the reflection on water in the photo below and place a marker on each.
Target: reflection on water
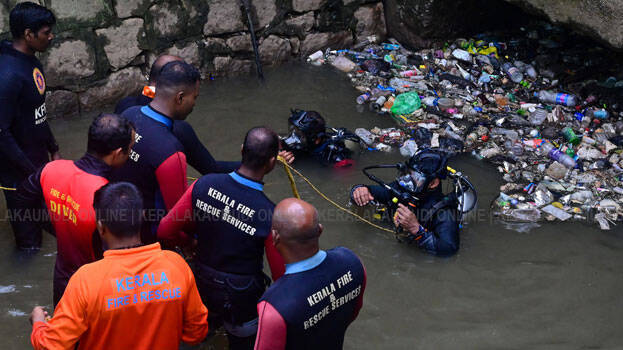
(556, 286)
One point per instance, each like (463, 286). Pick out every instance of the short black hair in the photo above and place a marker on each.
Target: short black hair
(177, 74)
(28, 15)
(107, 133)
(260, 145)
(119, 206)
(154, 73)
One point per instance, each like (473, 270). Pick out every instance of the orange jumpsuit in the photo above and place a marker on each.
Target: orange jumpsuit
(138, 298)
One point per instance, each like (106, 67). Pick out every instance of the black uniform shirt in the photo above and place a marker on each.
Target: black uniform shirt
(25, 136)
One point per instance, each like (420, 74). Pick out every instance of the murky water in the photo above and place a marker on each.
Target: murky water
(557, 286)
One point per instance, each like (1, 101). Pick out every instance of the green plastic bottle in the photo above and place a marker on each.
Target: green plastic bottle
(570, 136)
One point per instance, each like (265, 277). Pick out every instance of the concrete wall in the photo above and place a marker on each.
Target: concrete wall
(104, 48)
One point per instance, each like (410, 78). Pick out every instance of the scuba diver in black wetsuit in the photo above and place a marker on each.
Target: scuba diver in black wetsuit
(429, 218)
(309, 134)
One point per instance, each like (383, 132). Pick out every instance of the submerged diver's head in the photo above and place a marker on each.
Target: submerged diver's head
(307, 130)
(424, 171)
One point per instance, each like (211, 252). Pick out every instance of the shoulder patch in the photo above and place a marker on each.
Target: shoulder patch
(39, 80)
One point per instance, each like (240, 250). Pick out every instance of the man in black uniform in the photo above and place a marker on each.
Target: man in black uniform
(157, 164)
(320, 293)
(434, 225)
(232, 218)
(197, 155)
(26, 141)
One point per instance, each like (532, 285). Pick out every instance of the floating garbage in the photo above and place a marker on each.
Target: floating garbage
(528, 105)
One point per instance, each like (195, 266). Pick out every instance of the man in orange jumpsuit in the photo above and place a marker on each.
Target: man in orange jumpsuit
(137, 297)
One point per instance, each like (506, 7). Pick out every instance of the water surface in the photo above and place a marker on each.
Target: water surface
(557, 286)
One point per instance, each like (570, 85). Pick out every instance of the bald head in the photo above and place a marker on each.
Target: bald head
(260, 145)
(160, 62)
(296, 221)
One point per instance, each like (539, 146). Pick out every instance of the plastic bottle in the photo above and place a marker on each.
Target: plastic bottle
(449, 133)
(409, 73)
(430, 101)
(471, 138)
(599, 114)
(409, 148)
(378, 104)
(445, 103)
(366, 136)
(547, 149)
(462, 55)
(509, 134)
(524, 215)
(344, 64)
(570, 136)
(526, 68)
(390, 47)
(361, 99)
(556, 98)
(484, 79)
(513, 72)
(401, 84)
(389, 103)
(315, 56)
(517, 149)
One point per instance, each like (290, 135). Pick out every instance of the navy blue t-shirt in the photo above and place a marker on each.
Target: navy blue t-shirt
(317, 304)
(233, 218)
(25, 136)
(157, 164)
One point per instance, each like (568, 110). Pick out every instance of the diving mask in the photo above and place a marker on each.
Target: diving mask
(414, 182)
(296, 140)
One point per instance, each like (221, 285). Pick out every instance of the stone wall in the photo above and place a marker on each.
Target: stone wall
(419, 22)
(104, 48)
(600, 19)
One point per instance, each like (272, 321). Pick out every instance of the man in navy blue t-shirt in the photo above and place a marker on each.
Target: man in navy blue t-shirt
(26, 141)
(157, 164)
(321, 292)
(232, 218)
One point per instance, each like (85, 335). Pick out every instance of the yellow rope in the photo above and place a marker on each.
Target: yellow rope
(289, 168)
(8, 188)
(286, 167)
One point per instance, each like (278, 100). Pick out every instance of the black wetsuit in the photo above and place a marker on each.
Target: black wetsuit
(442, 235)
(25, 136)
(197, 155)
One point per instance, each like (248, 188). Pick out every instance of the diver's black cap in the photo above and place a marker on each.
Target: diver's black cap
(431, 163)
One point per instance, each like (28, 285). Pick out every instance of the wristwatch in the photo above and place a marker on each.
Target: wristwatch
(420, 232)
